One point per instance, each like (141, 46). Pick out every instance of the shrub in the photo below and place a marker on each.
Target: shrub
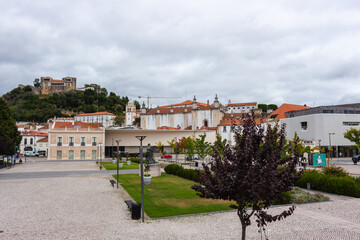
(177, 170)
(335, 171)
(135, 160)
(172, 168)
(346, 185)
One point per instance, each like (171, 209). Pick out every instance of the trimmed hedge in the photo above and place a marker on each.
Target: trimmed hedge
(177, 170)
(135, 160)
(346, 185)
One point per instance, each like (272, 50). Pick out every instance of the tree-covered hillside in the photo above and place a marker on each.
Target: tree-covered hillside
(28, 106)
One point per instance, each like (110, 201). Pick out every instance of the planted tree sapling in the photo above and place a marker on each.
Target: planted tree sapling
(253, 173)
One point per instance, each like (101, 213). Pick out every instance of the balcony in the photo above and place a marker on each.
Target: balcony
(71, 143)
(94, 143)
(59, 144)
(82, 144)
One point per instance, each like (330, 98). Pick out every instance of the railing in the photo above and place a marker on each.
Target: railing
(71, 143)
(94, 143)
(82, 143)
(59, 143)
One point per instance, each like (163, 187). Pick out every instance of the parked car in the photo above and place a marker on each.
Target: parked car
(356, 159)
(195, 157)
(166, 156)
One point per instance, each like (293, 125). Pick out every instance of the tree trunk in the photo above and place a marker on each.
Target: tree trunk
(243, 225)
(243, 231)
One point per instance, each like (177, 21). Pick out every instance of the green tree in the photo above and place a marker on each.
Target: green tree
(272, 106)
(10, 137)
(37, 82)
(172, 144)
(202, 147)
(190, 147)
(354, 136)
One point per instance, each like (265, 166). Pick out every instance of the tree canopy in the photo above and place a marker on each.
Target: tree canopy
(253, 173)
(10, 137)
(28, 106)
(354, 136)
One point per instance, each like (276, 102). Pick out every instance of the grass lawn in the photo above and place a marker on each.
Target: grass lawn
(169, 195)
(112, 166)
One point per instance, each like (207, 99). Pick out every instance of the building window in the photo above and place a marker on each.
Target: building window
(82, 141)
(351, 123)
(303, 126)
(224, 129)
(25, 141)
(93, 154)
(328, 111)
(71, 141)
(59, 141)
(31, 141)
(71, 154)
(82, 154)
(94, 141)
(59, 155)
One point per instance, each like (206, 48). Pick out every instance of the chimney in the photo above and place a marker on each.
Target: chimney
(208, 103)
(185, 109)
(158, 109)
(171, 109)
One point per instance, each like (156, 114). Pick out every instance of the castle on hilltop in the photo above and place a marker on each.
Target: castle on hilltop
(50, 86)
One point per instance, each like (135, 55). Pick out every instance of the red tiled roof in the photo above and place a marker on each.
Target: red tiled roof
(20, 126)
(165, 110)
(280, 112)
(167, 128)
(53, 80)
(187, 102)
(45, 127)
(82, 124)
(97, 113)
(237, 122)
(241, 104)
(35, 133)
(45, 139)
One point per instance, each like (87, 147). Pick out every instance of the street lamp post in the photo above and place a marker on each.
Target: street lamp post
(176, 156)
(117, 164)
(330, 144)
(141, 138)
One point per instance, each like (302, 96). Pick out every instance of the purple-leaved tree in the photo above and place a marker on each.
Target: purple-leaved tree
(253, 173)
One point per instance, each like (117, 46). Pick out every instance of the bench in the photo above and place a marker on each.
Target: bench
(112, 182)
(129, 203)
(134, 208)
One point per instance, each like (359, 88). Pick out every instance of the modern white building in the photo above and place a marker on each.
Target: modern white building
(106, 118)
(325, 126)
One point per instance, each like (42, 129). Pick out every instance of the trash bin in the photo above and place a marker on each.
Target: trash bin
(135, 211)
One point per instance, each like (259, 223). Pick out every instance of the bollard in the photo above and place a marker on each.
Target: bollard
(308, 186)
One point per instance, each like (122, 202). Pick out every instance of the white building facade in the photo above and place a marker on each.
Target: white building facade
(105, 118)
(324, 126)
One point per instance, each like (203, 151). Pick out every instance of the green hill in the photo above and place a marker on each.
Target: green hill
(25, 105)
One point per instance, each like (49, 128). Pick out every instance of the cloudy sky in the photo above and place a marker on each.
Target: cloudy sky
(301, 52)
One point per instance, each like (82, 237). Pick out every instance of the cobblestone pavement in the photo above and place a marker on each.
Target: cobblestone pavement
(88, 207)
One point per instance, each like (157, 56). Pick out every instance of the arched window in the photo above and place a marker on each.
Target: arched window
(25, 141)
(31, 141)
(206, 123)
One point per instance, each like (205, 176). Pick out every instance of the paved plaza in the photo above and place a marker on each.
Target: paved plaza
(83, 205)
